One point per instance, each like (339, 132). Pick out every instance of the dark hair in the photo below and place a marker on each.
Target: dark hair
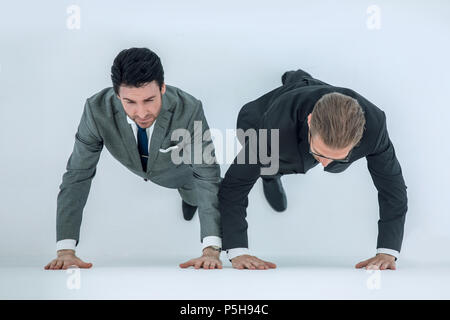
(136, 67)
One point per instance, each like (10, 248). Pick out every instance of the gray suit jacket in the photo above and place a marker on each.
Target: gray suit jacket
(104, 123)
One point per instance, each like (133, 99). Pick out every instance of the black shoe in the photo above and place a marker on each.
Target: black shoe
(275, 195)
(293, 76)
(188, 210)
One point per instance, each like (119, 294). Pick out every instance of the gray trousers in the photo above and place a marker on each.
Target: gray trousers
(188, 194)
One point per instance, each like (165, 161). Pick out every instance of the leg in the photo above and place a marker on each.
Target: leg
(274, 192)
(293, 76)
(273, 189)
(249, 117)
(189, 201)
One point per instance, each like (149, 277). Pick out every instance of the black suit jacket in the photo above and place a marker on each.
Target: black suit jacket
(286, 108)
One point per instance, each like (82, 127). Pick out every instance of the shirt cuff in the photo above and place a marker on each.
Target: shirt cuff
(211, 241)
(392, 252)
(66, 244)
(233, 253)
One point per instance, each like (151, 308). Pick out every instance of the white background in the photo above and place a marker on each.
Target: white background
(225, 53)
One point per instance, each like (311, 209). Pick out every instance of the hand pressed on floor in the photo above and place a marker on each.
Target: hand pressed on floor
(381, 261)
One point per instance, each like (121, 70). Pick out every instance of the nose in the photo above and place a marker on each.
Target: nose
(142, 113)
(324, 162)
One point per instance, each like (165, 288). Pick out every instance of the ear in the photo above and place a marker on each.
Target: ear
(163, 88)
(309, 119)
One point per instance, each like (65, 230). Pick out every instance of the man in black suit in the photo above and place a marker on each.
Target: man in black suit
(317, 122)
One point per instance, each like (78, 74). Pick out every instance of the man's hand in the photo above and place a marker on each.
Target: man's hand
(209, 260)
(381, 261)
(65, 259)
(246, 261)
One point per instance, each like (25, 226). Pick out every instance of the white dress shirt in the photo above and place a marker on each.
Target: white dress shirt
(207, 241)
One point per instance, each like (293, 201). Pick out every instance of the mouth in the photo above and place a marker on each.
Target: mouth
(144, 121)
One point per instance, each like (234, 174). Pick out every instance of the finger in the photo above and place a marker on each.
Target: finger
(83, 264)
(198, 264)
(47, 266)
(59, 264)
(69, 263)
(248, 265)
(53, 264)
(362, 264)
(261, 264)
(374, 265)
(254, 262)
(265, 266)
(187, 264)
(50, 264)
(206, 264)
(257, 264)
(384, 265)
(269, 264)
(219, 265)
(388, 265)
(237, 265)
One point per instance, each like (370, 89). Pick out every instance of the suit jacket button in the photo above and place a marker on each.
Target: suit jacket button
(145, 179)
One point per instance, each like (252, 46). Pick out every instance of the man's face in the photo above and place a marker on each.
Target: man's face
(318, 146)
(143, 104)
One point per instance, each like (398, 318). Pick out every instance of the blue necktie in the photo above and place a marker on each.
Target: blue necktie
(143, 147)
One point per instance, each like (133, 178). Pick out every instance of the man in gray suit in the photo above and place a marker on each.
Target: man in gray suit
(135, 120)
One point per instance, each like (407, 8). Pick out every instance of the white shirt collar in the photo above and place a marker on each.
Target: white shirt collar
(130, 121)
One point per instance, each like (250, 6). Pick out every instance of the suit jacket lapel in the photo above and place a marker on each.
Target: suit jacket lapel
(128, 140)
(159, 132)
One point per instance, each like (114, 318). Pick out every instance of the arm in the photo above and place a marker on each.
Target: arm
(392, 197)
(233, 201)
(206, 181)
(76, 181)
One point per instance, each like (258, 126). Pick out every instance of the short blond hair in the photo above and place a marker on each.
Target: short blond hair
(338, 119)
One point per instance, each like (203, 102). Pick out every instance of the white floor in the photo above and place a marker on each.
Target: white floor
(293, 279)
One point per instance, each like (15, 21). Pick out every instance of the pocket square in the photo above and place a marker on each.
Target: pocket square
(168, 149)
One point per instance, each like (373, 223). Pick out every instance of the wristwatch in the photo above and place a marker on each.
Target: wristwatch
(216, 248)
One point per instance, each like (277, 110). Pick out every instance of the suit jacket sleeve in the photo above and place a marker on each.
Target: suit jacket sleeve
(76, 181)
(392, 197)
(206, 176)
(233, 200)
